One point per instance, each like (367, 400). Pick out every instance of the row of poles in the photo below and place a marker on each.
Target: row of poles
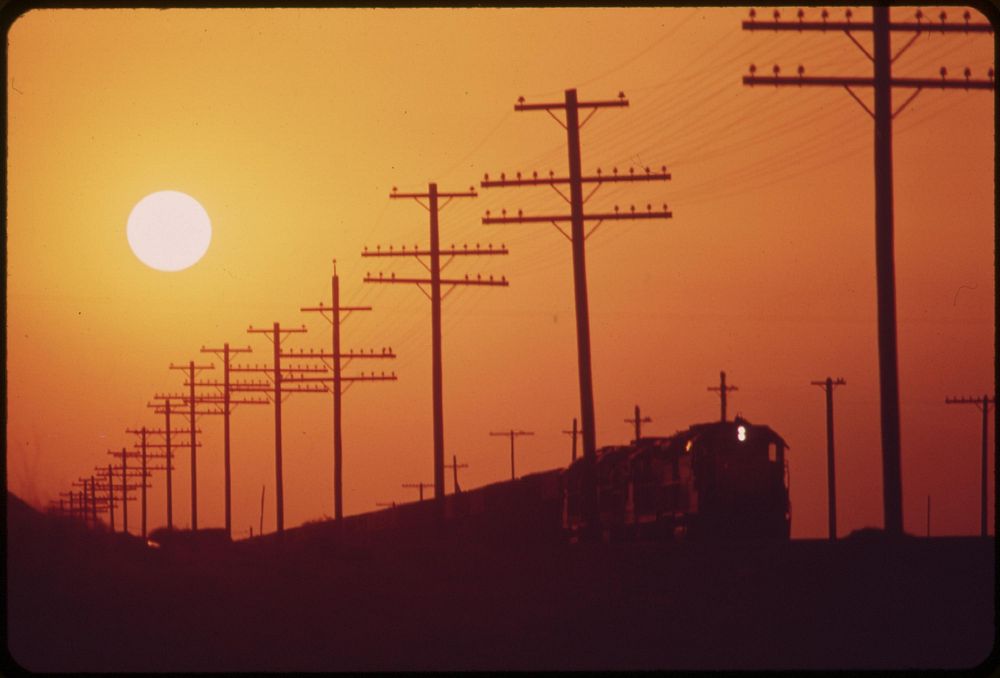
(578, 220)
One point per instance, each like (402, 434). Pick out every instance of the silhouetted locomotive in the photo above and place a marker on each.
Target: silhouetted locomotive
(721, 479)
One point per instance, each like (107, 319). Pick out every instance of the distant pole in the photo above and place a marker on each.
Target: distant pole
(260, 529)
(928, 515)
(722, 389)
(111, 497)
(575, 433)
(638, 421)
(984, 405)
(419, 486)
(454, 466)
(93, 500)
(512, 434)
(144, 472)
(831, 487)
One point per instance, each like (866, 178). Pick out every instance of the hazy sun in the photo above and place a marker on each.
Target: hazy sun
(169, 230)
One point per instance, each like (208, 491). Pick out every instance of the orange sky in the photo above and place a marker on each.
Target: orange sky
(292, 126)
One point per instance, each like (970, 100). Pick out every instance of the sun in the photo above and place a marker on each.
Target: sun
(169, 230)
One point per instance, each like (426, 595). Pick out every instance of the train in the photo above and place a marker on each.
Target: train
(723, 479)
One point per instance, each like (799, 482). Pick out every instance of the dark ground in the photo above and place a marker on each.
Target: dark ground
(84, 601)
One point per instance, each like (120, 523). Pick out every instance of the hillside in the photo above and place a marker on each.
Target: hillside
(81, 601)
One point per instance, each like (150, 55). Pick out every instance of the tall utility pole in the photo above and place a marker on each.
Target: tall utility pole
(722, 388)
(106, 482)
(512, 434)
(638, 421)
(336, 314)
(984, 406)
(145, 455)
(126, 475)
(166, 406)
(225, 402)
(420, 486)
(191, 369)
(454, 466)
(831, 483)
(435, 267)
(883, 83)
(576, 434)
(276, 392)
(576, 218)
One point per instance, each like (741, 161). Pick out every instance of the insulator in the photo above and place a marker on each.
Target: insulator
(378, 248)
(472, 189)
(466, 276)
(520, 100)
(621, 95)
(491, 278)
(616, 209)
(519, 175)
(944, 71)
(663, 168)
(390, 248)
(486, 177)
(614, 170)
(551, 174)
(777, 15)
(649, 208)
(503, 177)
(466, 245)
(631, 170)
(534, 175)
(968, 72)
(490, 245)
(966, 15)
(848, 14)
(777, 69)
(943, 16)
(801, 70)
(664, 207)
(801, 14)
(990, 73)
(753, 69)
(520, 213)
(824, 14)
(919, 15)
(647, 170)
(632, 207)
(479, 276)
(487, 216)
(753, 13)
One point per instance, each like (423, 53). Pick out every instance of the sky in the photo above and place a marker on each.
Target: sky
(292, 126)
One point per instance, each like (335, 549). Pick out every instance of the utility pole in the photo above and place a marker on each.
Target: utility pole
(638, 421)
(276, 392)
(123, 455)
(454, 466)
(225, 403)
(166, 406)
(421, 486)
(191, 369)
(575, 433)
(107, 484)
(434, 268)
(831, 483)
(143, 446)
(336, 314)
(577, 218)
(984, 406)
(883, 83)
(722, 389)
(512, 434)
(72, 496)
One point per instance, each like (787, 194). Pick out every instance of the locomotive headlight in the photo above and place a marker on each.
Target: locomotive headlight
(741, 433)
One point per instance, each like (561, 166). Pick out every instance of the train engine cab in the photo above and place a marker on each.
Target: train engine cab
(741, 479)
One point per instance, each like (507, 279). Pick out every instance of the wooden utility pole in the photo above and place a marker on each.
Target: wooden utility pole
(191, 369)
(435, 268)
(454, 466)
(882, 82)
(722, 388)
(511, 434)
(831, 483)
(226, 402)
(145, 455)
(984, 406)
(420, 486)
(336, 314)
(576, 434)
(638, 421)
(577, 218)
(275, 392)
(166, 406)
